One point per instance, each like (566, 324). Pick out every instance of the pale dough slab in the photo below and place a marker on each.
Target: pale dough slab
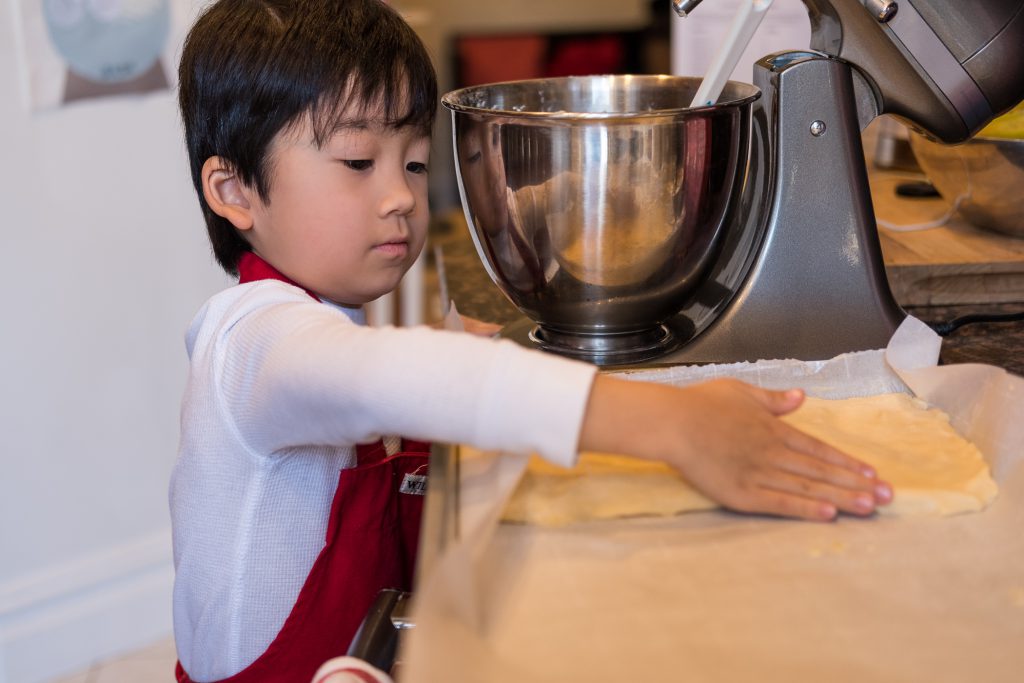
(933, 470)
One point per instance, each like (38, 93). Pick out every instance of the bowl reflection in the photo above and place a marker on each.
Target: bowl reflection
(985, 174)
(598, 203)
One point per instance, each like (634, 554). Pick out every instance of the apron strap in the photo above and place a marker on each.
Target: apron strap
(252, 268)
(370, 453)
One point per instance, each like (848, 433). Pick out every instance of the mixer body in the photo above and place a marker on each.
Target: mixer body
(726, 233)
(802, 276)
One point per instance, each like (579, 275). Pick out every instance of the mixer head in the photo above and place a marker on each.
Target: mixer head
(946, 67)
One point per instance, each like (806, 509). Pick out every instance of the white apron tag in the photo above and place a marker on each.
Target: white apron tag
(414, 484)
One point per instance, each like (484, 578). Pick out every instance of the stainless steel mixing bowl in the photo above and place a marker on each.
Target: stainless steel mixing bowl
(986, 172)
(598, 203)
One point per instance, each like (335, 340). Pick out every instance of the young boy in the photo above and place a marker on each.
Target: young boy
(308, 128)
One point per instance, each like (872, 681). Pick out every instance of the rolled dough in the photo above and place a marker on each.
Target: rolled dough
(933, 470)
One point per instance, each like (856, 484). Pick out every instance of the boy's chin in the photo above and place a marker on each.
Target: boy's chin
(366, 298)
(384, 284)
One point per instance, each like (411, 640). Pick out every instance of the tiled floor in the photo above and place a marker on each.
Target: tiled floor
(153, 664)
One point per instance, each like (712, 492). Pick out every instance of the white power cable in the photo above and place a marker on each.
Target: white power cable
(940, 221)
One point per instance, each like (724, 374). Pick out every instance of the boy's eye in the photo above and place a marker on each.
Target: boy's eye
(358, 164)
(416, 167)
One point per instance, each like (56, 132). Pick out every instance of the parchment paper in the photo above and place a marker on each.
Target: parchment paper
(718, 596)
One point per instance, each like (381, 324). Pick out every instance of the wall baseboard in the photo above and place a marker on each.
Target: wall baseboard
(61, 620)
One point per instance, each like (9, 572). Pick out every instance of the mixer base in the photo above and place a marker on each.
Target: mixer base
(603, 349)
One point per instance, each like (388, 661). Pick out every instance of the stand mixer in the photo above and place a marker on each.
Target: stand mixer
(630, 228)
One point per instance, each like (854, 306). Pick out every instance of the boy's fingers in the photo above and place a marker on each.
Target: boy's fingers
(816, 469)
(783, 504)
(818, 460)
(853, 502)
(804, 443)
(479, 327)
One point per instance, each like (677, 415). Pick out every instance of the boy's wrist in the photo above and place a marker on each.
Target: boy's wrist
(630, 418)
(349, 670)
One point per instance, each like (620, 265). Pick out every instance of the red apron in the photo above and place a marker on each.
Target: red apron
(372, 536)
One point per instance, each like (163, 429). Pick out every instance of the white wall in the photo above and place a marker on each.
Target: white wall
(103, 263)
(696, 39)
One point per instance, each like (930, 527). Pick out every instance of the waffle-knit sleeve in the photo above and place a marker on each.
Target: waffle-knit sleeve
(296, 373)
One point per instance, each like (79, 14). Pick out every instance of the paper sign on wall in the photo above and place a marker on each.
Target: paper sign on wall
(79, 49)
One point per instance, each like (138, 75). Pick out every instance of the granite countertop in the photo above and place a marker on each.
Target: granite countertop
(475, 295)
(999, 344)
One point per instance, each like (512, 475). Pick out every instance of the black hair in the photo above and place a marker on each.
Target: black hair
(252, 68)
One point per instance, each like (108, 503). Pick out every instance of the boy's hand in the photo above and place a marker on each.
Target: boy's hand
(347, 669)
(464, 323)
(479, 327)
(725, 437)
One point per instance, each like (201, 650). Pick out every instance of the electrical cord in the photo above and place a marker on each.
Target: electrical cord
(945, 328)
(915, 187)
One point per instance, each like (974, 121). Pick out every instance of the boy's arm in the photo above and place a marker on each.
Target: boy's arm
(298, 373)
(725, 437)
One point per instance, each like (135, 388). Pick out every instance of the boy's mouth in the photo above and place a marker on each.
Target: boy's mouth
(393, 249)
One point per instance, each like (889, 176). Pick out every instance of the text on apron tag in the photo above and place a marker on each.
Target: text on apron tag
(414, 484)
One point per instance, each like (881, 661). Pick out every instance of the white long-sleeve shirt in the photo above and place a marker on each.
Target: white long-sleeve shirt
(280, 390)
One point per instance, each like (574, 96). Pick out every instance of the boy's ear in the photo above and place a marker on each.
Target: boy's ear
(226, 195)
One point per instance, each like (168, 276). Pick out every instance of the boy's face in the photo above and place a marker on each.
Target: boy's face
(346, 220)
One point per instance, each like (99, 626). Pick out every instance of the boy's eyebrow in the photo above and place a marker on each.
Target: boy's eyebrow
(345, 125)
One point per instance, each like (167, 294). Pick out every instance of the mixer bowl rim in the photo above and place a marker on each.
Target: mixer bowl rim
(448, 100)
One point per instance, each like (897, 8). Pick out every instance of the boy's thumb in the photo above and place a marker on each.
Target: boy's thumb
(782, 402)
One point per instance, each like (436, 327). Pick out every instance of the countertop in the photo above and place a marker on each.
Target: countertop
(475, 295)
(543, 609)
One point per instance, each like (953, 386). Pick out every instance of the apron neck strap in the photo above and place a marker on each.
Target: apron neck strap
(252, 268)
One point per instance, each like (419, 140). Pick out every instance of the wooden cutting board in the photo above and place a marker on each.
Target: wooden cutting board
(953, 264)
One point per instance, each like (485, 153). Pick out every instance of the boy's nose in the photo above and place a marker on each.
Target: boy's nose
(398, 198)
